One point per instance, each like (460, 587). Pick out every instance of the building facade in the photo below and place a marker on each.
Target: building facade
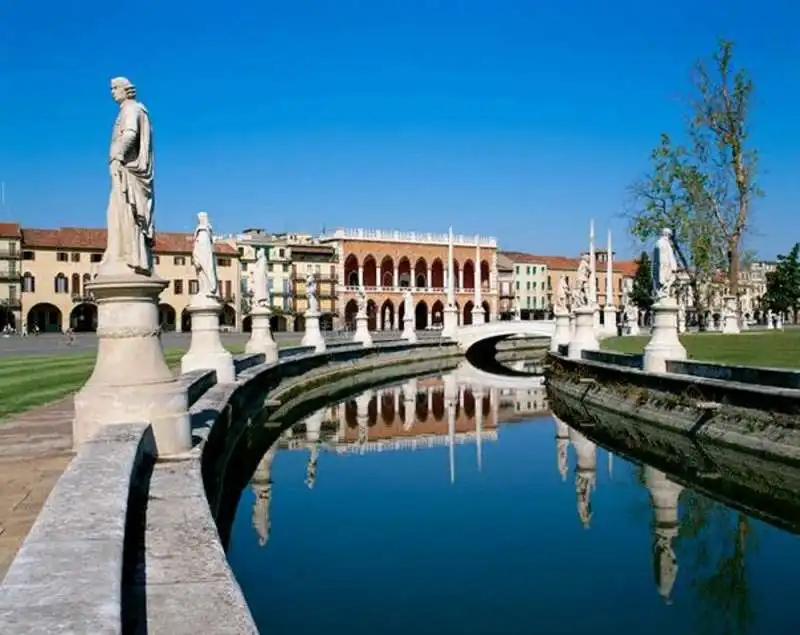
(505, 286)
(10, 276)
(530, 283)
(57, 264)
(385, 263)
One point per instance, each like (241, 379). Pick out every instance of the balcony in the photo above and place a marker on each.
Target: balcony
(10, 254)
(82, 298)
(11, 303)
(10, 273)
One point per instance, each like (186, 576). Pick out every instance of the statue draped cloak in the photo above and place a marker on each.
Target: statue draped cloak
(205, 262)
(131, 204)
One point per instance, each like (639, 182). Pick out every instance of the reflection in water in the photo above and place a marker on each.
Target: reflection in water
(436, 525)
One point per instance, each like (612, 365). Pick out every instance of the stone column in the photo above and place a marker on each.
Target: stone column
(409, 334)
(362, 416)
(312, 336)
(609, 311)
(478, 394)
(261, 484)
(664, 343)
(450, 395)
(430, 278)
(410, 404)
(584, 338)
(362, 334)
(562, 447)
(664, 496)
(478, 316)
(131, 380)
(593, 280)
(461, 278)
(206, 351)
(360, 275)
(261, 340)
(396, 399)
(561, 334)
(396, 284)
(450, 317)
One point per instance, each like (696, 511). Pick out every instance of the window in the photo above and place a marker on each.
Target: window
(534, 271)
(177, 286)
(180, 261)
(95, 257)
(29, 255)
(76, 257)
(286, 267)
(62, 256)
(61, 283)
(156, 260)
(244, 267)
(528, 286)
(28, 283)
(269, 267)
(224, 262)
(194, 287)
(228, 290)
(12, 292)
(76, 284)
(528, 270)
(517, 285)
(517, 268)
(281, 252)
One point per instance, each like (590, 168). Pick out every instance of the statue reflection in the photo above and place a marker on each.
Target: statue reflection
(261, 484)
(585, 474)
(313, 430)
(664, 495)
(562, 447)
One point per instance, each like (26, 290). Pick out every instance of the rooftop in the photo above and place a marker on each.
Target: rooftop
(93, 239)
(562, 263)
(9, 229)
(396, 236)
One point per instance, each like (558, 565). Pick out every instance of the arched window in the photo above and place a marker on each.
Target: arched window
(61, 284)
(76, 284)
(28, 283)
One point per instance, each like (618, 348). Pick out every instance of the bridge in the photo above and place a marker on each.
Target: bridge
(468, 336)
(468, 374)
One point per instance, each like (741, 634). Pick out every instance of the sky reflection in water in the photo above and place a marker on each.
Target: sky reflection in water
(382, 516)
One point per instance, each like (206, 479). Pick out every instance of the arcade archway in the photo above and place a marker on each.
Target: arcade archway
(387, 315)
(83, 318)
(350, 310)
(46, 317)
(421, 316)
(167, 317)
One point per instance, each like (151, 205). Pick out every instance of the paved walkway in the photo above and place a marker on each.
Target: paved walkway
(35, 448)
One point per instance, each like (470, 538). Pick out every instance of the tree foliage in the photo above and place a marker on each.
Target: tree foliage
(642, 292)
(702, 190)
(783, 284)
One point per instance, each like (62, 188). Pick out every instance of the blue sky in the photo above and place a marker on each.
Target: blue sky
(516, 118)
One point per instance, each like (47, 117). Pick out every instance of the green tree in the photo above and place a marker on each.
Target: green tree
(673, 196)
(721, 151)
(642, 292)
(783, 284)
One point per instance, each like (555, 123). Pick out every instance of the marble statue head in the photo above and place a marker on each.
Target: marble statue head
(202, 219)
(666, 233)
(122, 89)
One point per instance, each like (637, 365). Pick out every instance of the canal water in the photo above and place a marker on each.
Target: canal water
(385, 515)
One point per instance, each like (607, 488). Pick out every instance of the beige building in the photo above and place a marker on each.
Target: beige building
(529, 282)
(57, 264)
(10, 276)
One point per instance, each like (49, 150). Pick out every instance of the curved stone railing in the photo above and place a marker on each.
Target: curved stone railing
(127, 544)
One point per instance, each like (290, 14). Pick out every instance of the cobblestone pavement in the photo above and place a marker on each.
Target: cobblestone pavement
(35, 448)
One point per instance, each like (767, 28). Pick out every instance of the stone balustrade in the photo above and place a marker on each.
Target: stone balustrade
(391, 235)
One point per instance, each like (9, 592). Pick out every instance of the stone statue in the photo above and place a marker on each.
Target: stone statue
(311, 294)
(747, 305)
(260, 281)
(362, 300)
(631, 313)
(562, 293)
(311, 468)
(408, 304)
(665, 267)
(665, 562)
(203, 258)
(580, 293)
(131, 204)
(584, 484)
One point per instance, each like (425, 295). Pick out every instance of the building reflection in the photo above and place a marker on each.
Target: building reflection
(664, 495)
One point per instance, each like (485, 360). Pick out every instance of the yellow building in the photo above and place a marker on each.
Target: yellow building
(10, 276)
(57, 264)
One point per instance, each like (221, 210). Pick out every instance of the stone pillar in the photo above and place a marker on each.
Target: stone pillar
(561, 334)
(584, 338)
(396, 400)
(362, 416)
(206, 351)
(312, 336)
(664, 496)
(609, 310)
(450, 317)
(261, 340)
(360, 275)
(396, 284)
(478, 394)
(461, 277)
(261, 484)
(450, 395)
(409, 334)
(430, 278)
(730, 318)
(131, 381)
(478, 316)
(362, 334)
(664, 343)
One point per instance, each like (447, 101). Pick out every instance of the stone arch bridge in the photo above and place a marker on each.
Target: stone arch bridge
(493, 332)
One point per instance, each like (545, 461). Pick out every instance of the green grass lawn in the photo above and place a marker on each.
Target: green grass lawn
(760, 348)
(33, 380)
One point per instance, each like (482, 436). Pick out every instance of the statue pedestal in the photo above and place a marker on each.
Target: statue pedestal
(131, 381)
(362, 335)
(609, 321)
(478, 315)
(409, 333)
(561, 334)
(449, 322)
(312, 335)
(584, 338)
(730, 319)
(664, 343)
(206, 351)
(261, 340)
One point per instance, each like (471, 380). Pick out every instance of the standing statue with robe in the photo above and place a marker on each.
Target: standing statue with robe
(581, 292)
(361, 300)
(204, 260)
(131, 204)
(665, 267)
(408, 305)
(261, 297)
(311, 294)
(562, 294)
